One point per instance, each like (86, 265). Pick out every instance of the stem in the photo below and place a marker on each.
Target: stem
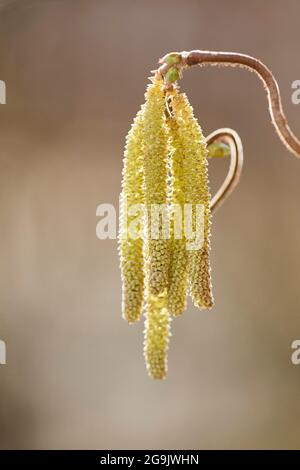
(230, 137)
(189, 59)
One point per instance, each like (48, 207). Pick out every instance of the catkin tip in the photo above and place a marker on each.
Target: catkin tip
(157, 332)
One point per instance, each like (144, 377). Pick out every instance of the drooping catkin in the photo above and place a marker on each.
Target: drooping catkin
(157, 332)
(165, 170)
(196, 193)
(178, 273)
(155, 165)
(131, 244)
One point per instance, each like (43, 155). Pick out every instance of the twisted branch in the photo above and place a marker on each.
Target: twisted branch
(232, 139)
(184, 60)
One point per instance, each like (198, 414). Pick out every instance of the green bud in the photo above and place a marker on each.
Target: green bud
(172, 75)
(172, 58)
(218, 150)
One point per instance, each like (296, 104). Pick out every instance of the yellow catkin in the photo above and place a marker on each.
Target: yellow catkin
(157, 332)
(155, 164)
(131, 249)
(196, 192)
(178, 273)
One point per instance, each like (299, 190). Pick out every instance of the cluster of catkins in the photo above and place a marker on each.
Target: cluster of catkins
(165, 162)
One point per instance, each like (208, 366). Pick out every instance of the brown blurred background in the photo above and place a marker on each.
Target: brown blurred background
(75, 73)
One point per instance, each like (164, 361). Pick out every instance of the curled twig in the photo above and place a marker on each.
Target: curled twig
(197, 57)
(232, 139)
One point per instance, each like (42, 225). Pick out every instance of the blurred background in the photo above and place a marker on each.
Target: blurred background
(75, 73)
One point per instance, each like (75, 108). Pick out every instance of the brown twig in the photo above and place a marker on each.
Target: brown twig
(197, 57)
(232, 139)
